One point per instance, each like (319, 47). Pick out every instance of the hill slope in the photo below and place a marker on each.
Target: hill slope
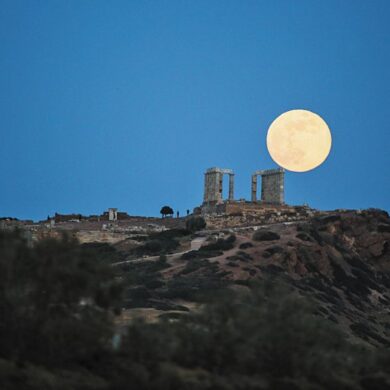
(340, 260)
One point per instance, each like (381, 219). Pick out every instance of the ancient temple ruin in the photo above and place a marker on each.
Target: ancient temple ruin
(112, 214)
(272, 186)
(213, 182)
(272, 190)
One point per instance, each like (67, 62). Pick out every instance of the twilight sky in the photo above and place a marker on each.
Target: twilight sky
(126, 103)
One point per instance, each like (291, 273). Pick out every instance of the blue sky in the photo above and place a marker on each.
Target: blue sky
(126, 103)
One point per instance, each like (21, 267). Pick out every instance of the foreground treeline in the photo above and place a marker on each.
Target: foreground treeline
(57, 304)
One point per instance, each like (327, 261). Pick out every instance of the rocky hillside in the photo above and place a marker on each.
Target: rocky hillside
(340, 260)
(290, 305)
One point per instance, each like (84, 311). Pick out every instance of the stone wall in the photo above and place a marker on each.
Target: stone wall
(241, 214)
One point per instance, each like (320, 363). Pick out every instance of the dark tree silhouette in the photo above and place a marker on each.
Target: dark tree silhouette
(166, 210)
(54, 300)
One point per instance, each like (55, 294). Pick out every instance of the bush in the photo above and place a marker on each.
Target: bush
(194, 265)
(267, 338)
(195, 287)
(163, 260)
(169, 234)
(42, 319)
(240, 256)
(246, 245)
(220, 244)
(153, 246)
(104, 252)
(157, 246)
(201, 254)
(265, 235)
(161, 242)
(194, 224)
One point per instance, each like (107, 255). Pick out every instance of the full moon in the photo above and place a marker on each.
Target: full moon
(299, 140)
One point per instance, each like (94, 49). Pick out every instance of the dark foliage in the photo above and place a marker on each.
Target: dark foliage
(194, 224)
(104, 252)
(246, 245)
(169, 234)
(220, 245)
(162, 242)
(211, 250)
(240, 256)
(196, 288)
(263, 339)
(201, 254)
(53, 297)
(155, 247)
(56, 330)
(166, 210)
(265, 235)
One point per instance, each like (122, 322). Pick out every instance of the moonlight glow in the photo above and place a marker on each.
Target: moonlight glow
(299, 140)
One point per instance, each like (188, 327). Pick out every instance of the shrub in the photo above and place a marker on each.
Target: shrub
(162, 260)
(246, 245)
(156, 246)
(220, 244)
(194, 224)
(267, 338)
(195, 287)
(194, 265)
(169, 234)
(153, 246)
(41, 290)
(161, 242)
(240, 256)
(265, 235)
(201, 254)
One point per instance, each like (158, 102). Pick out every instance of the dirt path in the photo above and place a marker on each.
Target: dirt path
(196, 243)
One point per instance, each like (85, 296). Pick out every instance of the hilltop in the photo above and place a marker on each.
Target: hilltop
(241, 300)
(339, 259)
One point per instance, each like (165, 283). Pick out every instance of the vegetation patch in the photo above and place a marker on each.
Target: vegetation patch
(201, 254)
(104, 252)
(220, 245)
(265, 235)
(240, 256)
(195, 265)
(273, 250)
(194, 224)
(163, 242)
(246, 245)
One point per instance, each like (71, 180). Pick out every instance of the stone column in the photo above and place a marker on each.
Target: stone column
(206, 188)
(231, 186)
(112, 214)
(254, 188)
(212, 185)
(220, 187)
(272, 185)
